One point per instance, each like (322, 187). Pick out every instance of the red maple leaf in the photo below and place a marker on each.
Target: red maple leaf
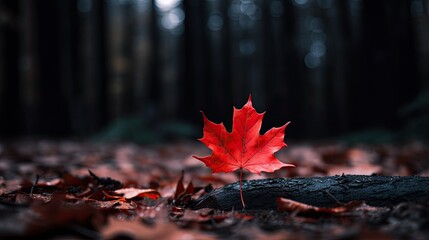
(243, 148)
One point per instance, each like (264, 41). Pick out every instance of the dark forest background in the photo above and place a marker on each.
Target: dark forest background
(143, 69)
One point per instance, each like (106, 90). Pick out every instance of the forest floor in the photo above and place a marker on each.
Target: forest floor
(87, 190)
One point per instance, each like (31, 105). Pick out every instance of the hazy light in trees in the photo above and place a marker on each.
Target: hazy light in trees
(318, 48)
(316, 25)
(234, 11)
(173, 19)
(276, 8)
(172, 16)
(215, 22)
(143, 5)
(166, 5)
(84, 6)
(318, 36)
(299, 2)
(246, 12)
(312, 61)
(247, 47)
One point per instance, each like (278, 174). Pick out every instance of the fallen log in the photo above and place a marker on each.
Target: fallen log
(318, 191)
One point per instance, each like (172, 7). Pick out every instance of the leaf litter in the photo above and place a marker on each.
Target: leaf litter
(90, 190)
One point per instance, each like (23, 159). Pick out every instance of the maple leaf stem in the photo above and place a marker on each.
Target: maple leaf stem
(241, 188)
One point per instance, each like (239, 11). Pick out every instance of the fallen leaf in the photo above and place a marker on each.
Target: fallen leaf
(129, 193)
(180, 188)
(115, 204)
(288, 205)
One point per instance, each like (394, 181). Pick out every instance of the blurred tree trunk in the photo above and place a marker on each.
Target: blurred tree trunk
(82, 63)
(142, 53)
(339, 69)
(217, 59)
(196, 65)
(170, 59)
(388, 61)
(53, 113)
(9, 87)
(311, 87)
(278, 101)
(91, 66)
(293, 67)
(420, 25)
(3, 76)
(256, 67)
(119, 44)
(68, 63)
(29, 70)
(240, 87)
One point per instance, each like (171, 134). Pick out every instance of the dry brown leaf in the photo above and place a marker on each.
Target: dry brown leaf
(115, 204)
(289, 205)
(129, 193)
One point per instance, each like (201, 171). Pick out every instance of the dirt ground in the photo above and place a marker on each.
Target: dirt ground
(87, 190)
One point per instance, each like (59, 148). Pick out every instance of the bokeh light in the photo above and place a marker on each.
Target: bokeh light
(166, 5)
(171, 15)
(247, 46)
(311, 61)
(215, 21)
(299, 2)
(172, 19)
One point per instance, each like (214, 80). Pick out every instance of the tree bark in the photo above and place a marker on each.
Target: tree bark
(319, 191)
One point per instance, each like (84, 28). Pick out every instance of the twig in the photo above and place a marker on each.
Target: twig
(35, 183)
